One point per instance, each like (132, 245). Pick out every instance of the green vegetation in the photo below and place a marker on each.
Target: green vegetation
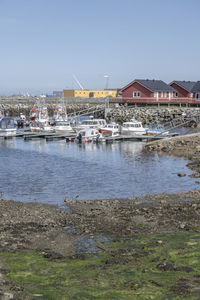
(153, 266)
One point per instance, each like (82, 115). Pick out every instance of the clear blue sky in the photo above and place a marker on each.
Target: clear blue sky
(44, 42)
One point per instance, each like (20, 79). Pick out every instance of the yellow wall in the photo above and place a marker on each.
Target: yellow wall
(90, 93)
(68, 93)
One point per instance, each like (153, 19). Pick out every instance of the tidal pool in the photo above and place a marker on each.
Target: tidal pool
(50, 171)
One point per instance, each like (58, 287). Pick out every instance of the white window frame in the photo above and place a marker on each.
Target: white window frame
(136, 94)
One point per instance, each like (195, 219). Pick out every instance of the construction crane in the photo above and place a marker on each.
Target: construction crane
(78, 82)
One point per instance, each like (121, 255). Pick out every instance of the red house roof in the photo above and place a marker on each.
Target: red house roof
(152, 85)
(186, 85)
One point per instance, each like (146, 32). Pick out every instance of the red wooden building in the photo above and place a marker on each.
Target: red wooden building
(146, 91)
(145, 88)
(187, 89)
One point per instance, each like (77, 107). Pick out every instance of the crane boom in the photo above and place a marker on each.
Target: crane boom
(78, 82)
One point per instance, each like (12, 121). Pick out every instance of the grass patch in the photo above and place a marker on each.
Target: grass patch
(153, 266)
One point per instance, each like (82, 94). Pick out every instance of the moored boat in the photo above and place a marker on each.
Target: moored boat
(87, 135)
(60, 114)
(39, 119)
(156, 129)
(92, 123)
(108, 131)
(41, 127)
(133, 127)
(7, 126)
(112, 128)
(62, 126)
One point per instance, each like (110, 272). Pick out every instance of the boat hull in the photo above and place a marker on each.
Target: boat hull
(10, 132)
(132, 132)
(63, 129)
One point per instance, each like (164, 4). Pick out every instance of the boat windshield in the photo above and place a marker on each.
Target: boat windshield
(155, 126)
(136, 125)
(7, 123)
(62, 123)
(89, 122)
(93, 122)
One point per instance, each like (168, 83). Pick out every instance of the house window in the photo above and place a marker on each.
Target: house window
(198, 96)
(136, 94)
(176, 94)
(161, 94)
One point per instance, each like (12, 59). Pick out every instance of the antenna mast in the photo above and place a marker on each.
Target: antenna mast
(107, 78)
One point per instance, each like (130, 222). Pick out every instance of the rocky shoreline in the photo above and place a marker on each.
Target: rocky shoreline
(54, 233)
(187, 146)
(43, 227)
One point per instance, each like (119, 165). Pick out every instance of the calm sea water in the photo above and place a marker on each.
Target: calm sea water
(50, 171)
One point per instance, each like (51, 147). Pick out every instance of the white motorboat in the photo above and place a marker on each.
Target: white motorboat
(41, 127)
(87, 135)
(93, 123)
(133, 127)
(63, 126)
(39, 119)
(110, 129)
(7, 126)
(60, 113)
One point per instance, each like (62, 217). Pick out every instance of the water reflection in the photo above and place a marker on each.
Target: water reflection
(50, 171)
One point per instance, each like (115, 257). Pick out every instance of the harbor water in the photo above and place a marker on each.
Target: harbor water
(50, 171)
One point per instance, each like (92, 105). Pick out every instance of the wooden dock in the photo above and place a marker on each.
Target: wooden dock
(70, 137)
(142, 138)
(48, 136)
(139, 138)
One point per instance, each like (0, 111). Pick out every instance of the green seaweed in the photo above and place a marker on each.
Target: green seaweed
(153, 266)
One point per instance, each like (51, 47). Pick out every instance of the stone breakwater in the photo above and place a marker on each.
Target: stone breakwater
(122, 114)
(14, 109)
(151, 115)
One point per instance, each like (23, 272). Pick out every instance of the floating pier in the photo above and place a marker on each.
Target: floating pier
(70, 137)
(139, 138)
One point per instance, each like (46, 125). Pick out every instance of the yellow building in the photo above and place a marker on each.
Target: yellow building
(90, 93)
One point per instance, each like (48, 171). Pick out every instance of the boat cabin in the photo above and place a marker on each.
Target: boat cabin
(6, 123)
(132, 124)
(111, 126)
(133, 127)
(87, 134)
(94, 122)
